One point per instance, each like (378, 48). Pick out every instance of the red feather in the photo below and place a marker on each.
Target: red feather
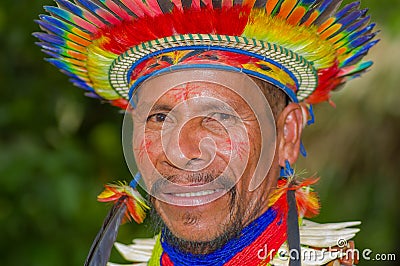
(328, 79)
(224, 21)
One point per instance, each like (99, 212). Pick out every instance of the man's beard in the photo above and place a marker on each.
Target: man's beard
(231, 230)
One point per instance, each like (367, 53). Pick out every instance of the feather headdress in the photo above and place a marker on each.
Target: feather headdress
(304, 47)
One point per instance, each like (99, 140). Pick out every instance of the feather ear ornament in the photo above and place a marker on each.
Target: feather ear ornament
(128, 204)
(136, 205)
(300, 201)
(307, 201)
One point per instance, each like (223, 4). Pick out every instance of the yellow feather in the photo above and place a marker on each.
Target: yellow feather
(105, 194)
(98, 65)
(305, 41)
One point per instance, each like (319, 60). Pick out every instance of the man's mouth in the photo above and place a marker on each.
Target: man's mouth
(197, 194)
(191, 195)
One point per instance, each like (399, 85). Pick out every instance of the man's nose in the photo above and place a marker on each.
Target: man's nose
(190, 146)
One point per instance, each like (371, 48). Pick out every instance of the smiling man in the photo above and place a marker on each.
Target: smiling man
(203, 153)
(216, 95)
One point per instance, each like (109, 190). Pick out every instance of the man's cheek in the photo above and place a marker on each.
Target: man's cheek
(147, 148)
(146, 153)
(235, 146)
(142, 149)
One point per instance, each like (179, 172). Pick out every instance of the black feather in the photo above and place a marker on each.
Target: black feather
(100, 250)
(330, 7)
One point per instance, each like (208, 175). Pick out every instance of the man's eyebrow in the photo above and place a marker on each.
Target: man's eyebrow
(145, 107)
(161, 107)
(222, 106)
(230, 106)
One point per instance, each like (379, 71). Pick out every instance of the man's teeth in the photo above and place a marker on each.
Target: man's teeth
(197, 194)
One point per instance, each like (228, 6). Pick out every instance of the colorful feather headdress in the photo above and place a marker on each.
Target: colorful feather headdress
(304, 47)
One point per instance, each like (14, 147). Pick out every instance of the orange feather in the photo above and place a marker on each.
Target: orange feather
(269, 7)
(286, 8)
(297, 14)
(326, 24)
(311, 19)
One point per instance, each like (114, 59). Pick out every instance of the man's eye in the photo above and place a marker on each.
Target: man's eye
(223, 118)
(159, 118)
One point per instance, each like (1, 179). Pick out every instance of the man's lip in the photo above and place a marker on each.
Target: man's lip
(192, 198)
(191, 194)
(172, 188)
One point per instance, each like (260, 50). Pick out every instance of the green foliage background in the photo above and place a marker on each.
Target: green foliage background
(57, 149)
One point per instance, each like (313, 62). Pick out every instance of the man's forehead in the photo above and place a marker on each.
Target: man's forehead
(176, 87)
(203, 91)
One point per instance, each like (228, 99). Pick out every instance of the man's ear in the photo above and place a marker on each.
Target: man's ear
(290, 127)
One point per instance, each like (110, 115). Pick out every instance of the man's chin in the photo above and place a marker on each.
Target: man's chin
(200, 223)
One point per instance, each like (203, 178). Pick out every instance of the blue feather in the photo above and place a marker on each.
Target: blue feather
(59, 64)
(61, 24)
(307, 2)
(327, 9)
(93, 95)
(135, 180)
(52, 54)
(359, 24)
(361, 67)
(101, 12)
(48, 46)
(351, 30)
(81, 84)
(79, 22)
(71, 7)
(355, 58)
(350, 18)
(363, 39)
(61, 13)
(313, 6)
(325, 5)
(55, 21)
(359, 33)
(89, 5)
(50, 38)
(69, 74)
(347, 9)
(49, 27)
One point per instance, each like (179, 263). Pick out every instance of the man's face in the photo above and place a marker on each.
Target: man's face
(197, 145)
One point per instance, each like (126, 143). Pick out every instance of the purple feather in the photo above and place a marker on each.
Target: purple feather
(50, 28)
(359, 24)
(81, 84)
(345, 21)
(327, 9)
(347, 9)
(354, 59)
(50, 38)
(363, 39)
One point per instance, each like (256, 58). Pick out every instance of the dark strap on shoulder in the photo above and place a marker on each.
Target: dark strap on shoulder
(293, 234)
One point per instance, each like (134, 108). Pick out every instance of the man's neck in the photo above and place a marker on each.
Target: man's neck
(232, 248)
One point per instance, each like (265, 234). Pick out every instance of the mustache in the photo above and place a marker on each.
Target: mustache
(200, 178)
